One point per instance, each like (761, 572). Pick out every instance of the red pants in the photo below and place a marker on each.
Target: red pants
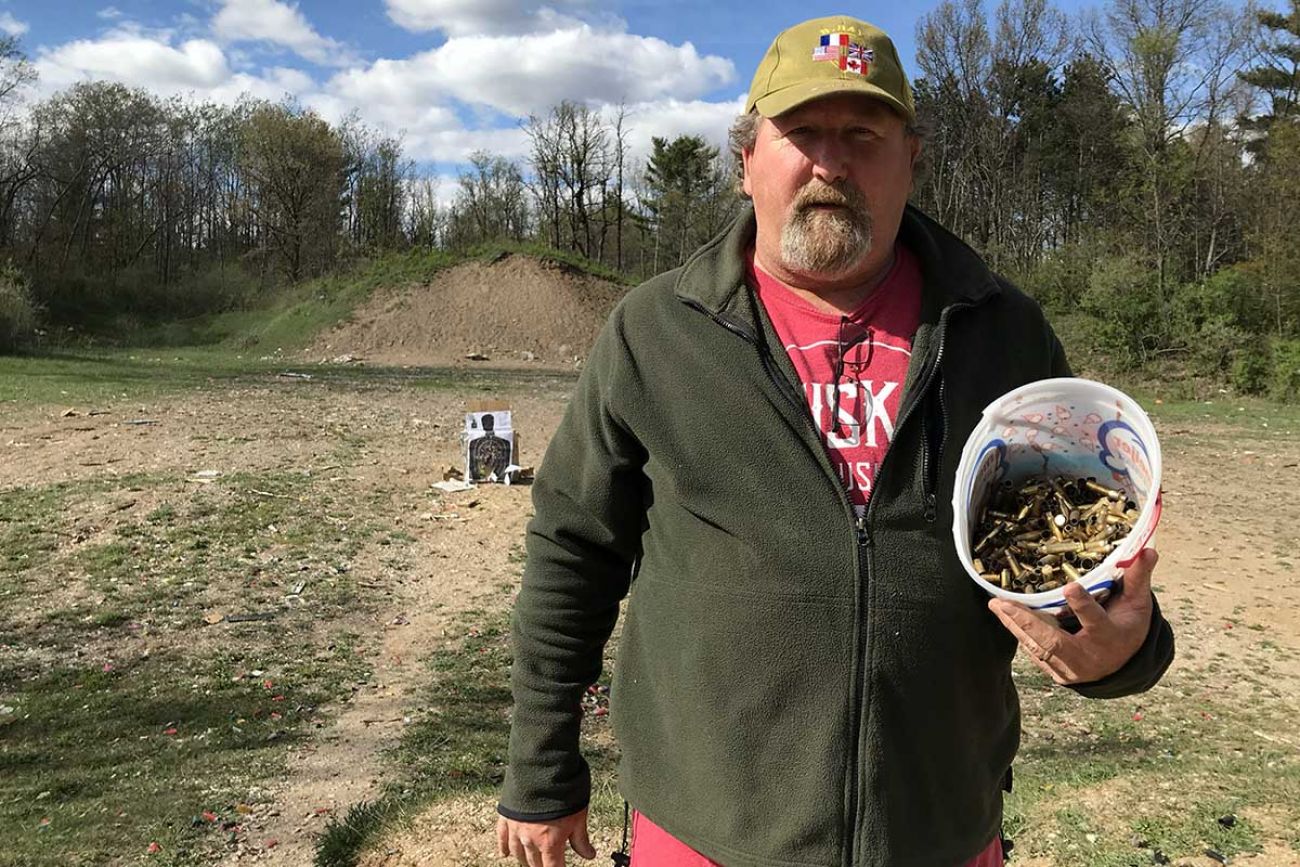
(652, 846)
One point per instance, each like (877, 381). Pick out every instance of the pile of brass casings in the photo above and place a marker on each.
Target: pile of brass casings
(1038, 536)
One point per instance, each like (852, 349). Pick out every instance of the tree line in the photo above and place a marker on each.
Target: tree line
(1133, 167)
(117, 203)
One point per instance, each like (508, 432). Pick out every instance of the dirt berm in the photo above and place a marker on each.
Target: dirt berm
(518, 311)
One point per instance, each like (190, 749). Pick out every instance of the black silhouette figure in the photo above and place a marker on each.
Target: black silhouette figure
(489, 454)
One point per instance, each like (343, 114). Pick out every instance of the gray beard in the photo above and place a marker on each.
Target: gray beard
(828, 243)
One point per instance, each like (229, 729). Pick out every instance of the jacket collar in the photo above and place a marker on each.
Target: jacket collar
(714, 277)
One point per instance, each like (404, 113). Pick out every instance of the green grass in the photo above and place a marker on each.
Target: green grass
(181, 558)
(1266, 417)
(135, 361)
(105, 377)
(1095, 786)
(457, 747)
(98, 764)
(104, 648)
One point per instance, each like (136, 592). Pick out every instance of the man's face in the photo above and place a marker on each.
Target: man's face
(829, 181)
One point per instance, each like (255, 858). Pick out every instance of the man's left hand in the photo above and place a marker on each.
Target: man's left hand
(1108, 637)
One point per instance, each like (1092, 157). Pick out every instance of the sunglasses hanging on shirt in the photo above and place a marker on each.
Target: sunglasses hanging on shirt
(851, 335)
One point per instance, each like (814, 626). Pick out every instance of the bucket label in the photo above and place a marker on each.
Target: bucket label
(1122, 451)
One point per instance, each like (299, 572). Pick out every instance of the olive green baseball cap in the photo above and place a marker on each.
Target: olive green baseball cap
(826, 56)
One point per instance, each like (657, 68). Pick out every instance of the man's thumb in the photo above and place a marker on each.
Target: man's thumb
(581, 842)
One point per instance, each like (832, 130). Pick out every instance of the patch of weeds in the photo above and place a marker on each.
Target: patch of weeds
(99, 762)
(1194, 752)
(457, 748)
(108, 619)
(1200, 830)
(344, 838)
(163, 514)
(247, 538)
(90, 746)
(28, 531)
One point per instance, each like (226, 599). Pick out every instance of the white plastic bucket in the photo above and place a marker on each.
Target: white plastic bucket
(1068, 427)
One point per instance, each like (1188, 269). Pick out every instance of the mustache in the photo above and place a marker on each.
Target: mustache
(842, 195)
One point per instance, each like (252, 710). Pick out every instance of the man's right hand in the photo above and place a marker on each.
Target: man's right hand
(541, 844)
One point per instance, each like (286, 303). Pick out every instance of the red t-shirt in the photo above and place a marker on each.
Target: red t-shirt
(652, 846)
(878, 335)
(870, 393)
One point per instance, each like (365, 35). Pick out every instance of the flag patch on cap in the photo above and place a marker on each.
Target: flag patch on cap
(847, 55)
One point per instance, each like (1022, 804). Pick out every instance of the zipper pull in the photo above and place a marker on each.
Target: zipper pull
(931, 507)
(864, 534)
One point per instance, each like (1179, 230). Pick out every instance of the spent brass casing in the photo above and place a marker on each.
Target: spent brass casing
(988, 539)
(1070, 572)
(1097, 508)
(1064, 547)
(1108, 493)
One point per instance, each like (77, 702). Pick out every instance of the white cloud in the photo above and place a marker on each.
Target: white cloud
(429, 133)
(519, 75)
(478, 17)
(469, 94)
(11, 25)
(134, 59)
(272, 85)
(280, 24)
(150, 61)
(670, 118)
(109, 13)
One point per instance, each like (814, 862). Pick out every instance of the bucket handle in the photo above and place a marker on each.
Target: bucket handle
(1124, 564)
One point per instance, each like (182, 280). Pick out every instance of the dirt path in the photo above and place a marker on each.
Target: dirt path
(456, 566)
(1227, 577)
(384, 445)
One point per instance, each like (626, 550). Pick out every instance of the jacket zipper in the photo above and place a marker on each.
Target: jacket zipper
(862, 537)
(929, 470)
(865, 542)
(862, 533)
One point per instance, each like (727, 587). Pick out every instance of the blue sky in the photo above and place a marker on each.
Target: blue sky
(452, 76)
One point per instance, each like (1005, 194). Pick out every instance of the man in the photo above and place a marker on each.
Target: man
(762, 450)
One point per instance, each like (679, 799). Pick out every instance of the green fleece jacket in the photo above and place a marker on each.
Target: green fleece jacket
(794, 688)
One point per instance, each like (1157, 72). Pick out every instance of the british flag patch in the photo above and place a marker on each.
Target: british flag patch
(849, 56)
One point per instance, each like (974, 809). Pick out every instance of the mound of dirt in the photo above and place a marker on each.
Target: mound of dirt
(518, 311)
